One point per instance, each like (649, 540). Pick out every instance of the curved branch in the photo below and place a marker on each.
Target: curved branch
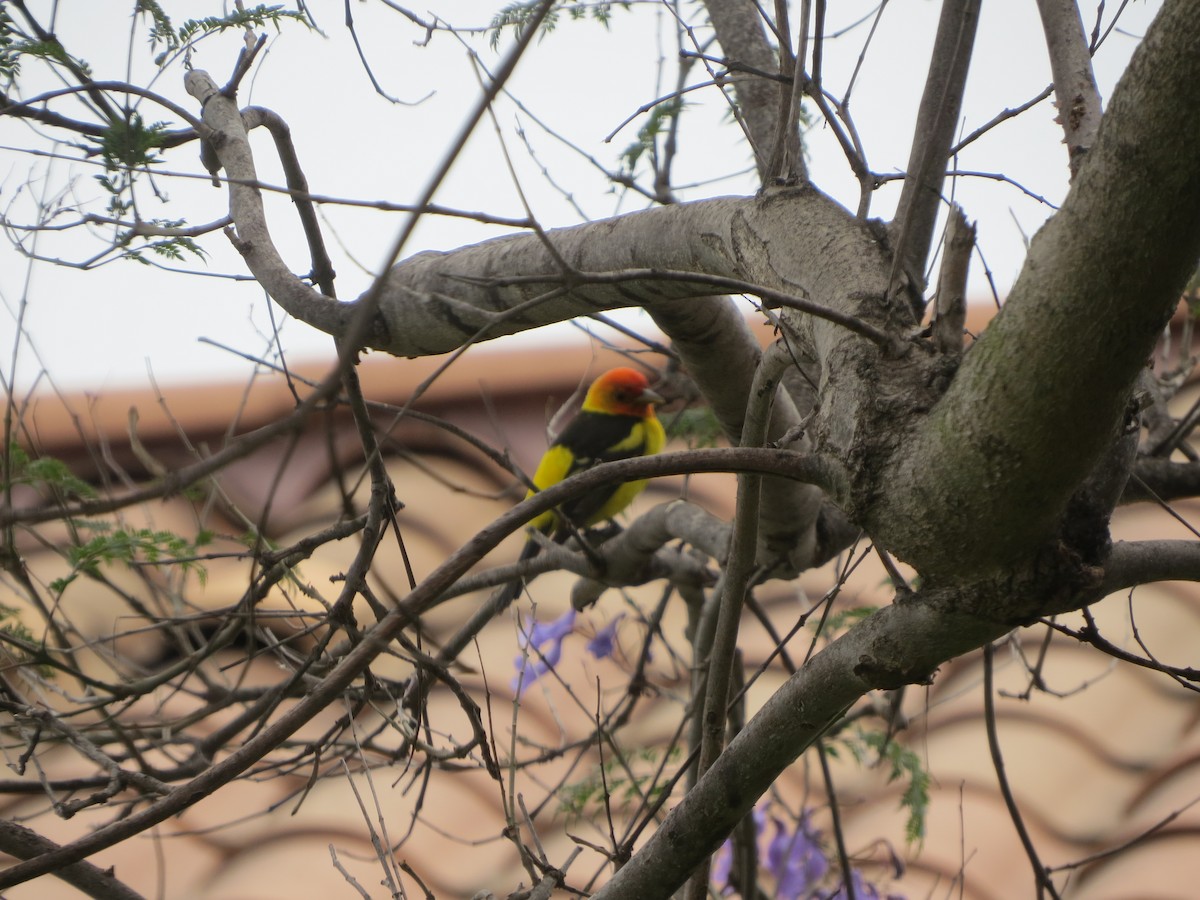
(322, 267)
(788, 241)
(123, 87)
(224, 127)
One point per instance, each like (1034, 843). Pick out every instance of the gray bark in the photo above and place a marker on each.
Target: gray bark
(937, 123)
(1042, 394)
(1075, 91)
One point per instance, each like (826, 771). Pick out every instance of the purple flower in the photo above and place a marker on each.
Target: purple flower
(602, 645)
(795, 859)
(722, 866)
(545, 649)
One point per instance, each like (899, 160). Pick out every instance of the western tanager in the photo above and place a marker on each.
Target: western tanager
(616, 421)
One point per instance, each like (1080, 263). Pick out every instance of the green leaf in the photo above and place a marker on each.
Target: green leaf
(132, 547)
(10, 57)
(50, 51)
(576, 798)
(130, 143)
(161, 29)
(21, 648)
(658, 121)
(843, 619)
(257, 17)
(518, 14)
(904, 764)
(45, 471)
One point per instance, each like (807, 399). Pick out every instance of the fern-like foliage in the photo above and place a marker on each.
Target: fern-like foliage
(138, 546)
(517, 16)
(43, 472)
(903, 764)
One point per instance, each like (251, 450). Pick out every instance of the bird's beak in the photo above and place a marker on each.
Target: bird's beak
(649, 396)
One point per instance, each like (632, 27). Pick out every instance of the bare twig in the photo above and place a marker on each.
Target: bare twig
(1040, 872)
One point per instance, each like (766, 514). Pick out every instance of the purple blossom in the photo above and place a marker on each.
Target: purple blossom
(544, 641)
(602, 645)
(722, 866)
(795, 859)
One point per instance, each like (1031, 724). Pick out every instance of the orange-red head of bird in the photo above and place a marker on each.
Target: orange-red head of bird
(623, 392)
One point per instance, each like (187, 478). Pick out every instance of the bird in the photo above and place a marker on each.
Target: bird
(616, 421)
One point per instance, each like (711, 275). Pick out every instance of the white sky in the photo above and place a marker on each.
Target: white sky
(114, 325)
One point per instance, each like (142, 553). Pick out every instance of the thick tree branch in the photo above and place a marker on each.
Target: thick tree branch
(435, 302)
(1041, 396)
(713, 330)
(225, 128)
(903, 643)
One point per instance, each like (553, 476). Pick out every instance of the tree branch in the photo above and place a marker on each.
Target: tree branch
(1101, 280)
(435, 302)
(23, 843)
(1075, 91)
(1155, 479)
(951, 312)
(903, 643)
(738, 26)
(937, 122)
(1144, 562)
(225, 128)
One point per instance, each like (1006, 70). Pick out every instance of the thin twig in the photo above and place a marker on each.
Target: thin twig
(1040, 872)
